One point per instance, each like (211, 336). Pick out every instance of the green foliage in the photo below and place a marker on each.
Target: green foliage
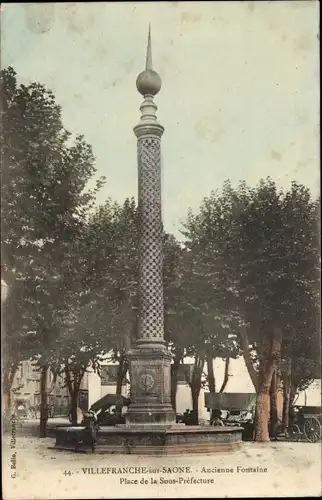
(255, 252)
(112, 246)
(207, 288)
(44, 204)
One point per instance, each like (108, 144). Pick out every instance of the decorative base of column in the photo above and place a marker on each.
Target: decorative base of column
(150, 414)
(150, 387)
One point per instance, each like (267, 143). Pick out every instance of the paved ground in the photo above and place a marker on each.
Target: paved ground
(292, 469)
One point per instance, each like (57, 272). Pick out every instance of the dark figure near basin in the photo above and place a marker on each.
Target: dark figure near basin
(99, 414)
(90, 432)
(188, 418)
(216, 418)
(108, 416)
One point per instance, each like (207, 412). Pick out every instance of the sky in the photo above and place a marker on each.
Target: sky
(239, 97)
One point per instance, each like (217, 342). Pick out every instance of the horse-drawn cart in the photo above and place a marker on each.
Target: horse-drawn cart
(305, 422)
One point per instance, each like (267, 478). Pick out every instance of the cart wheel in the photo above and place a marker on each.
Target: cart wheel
(294, 432)
(312, 429)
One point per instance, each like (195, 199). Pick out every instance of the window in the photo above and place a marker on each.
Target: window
(35, 374)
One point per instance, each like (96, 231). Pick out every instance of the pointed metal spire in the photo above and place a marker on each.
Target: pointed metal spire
(148, 82)
(148, 64)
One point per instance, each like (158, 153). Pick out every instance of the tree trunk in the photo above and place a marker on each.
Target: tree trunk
(195, 407)
(211, 374)
(121, 373)
(195, 386)
(8, 378)
(174, 385)
(268, 364)
(247, 357)
(262, 408)
(73, 385)
(73, 405)
(273, 405)
(293, 395)
(211, 377)
(129, 335)
(286, 392)
(226, 375)
(174, 380)
(43, 402)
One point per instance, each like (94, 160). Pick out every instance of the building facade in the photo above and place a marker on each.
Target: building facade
(26, 389)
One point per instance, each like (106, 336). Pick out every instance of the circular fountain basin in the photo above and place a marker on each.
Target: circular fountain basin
(153, 440)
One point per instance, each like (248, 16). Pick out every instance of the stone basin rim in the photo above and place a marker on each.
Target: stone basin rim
(167, 430)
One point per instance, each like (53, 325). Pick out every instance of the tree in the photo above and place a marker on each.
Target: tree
(207, 317)
(301, 344)
(113, 245)
(194, 324)
(278, 236)
(85, 317)
(17, 340)
(301, 363)
(260, 244)
(44, 204)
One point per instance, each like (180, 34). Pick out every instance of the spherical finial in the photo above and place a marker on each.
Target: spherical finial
(148, 82)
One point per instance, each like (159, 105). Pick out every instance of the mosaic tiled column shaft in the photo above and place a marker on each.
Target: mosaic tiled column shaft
(150, 362)
(151, 312)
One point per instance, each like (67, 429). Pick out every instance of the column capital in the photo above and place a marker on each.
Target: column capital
(148, 124)
(148, 130)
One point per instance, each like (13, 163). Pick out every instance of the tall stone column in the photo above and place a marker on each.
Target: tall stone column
(149, 360)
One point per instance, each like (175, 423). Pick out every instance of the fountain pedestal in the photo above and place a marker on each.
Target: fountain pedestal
(150, 388)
